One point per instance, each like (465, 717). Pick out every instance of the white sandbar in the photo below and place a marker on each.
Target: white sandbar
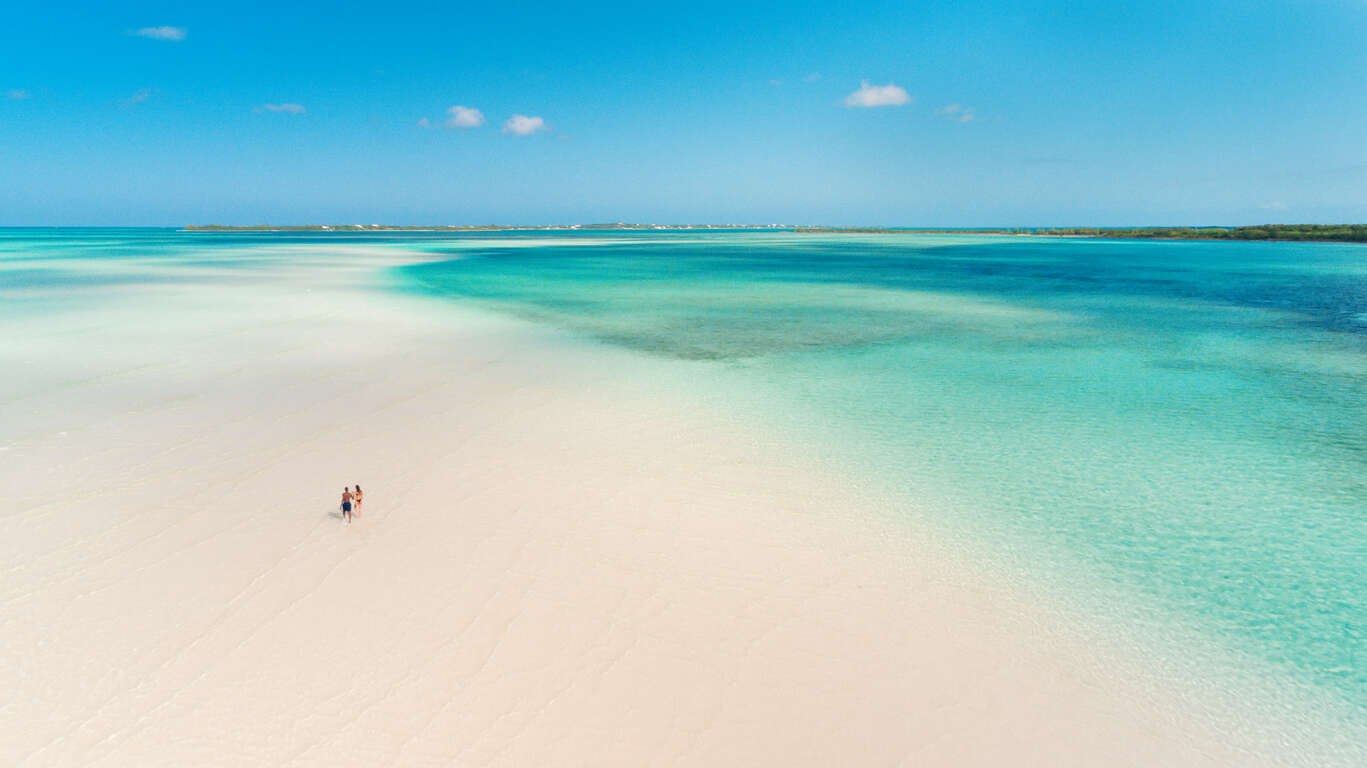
(553, 567)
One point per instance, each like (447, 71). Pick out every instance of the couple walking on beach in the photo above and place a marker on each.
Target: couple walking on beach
(349, 499)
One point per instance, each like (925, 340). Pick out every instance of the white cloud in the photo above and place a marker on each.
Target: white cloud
(139, 96)
(1273, 206)
(812, 78)
(171, 34)
(522, 125)
(877, 96)
(424, 123)
(16, 94)
(289, 109)
(464, 117)
(957, 112)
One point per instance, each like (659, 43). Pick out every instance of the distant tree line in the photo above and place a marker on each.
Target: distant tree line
(1356, 233)
(1353, 233)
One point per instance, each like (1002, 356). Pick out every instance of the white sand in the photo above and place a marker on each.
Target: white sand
(553, 567)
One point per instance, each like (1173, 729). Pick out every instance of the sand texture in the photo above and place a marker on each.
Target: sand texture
(554, 565)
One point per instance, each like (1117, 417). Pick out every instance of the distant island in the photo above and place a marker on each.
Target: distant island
(1352, 233)
(461, 228)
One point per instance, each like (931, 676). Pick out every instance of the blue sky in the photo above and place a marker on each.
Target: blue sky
(976, 113)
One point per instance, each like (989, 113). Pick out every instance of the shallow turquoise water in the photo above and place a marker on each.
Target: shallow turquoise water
(1184, 421)
(1178, 427)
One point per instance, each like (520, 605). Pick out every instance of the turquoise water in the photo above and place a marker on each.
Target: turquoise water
(1178, 427)
(1183, 421)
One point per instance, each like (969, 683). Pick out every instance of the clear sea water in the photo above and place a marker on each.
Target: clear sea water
(1178, 427)
(1185, 422)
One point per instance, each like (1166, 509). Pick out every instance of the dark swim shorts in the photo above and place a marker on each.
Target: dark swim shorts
(346, 506)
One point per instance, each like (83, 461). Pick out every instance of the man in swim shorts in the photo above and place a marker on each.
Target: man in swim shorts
(346, 503)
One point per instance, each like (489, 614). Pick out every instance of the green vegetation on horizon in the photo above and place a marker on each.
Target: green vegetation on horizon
(1354, 233)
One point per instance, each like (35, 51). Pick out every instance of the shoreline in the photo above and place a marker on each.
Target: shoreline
(555, 565)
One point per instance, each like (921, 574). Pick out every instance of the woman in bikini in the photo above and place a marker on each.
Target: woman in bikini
(357, 496)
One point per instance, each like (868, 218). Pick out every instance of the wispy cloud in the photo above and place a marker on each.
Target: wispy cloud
(464, 117)
(169, 34)
(139, 96)
(522, 125)
(287, 108)
(424, 123)
(776, 83)
(16, 94)
(1273, 206)
(957, 112)
(812, 78)
(870, 95)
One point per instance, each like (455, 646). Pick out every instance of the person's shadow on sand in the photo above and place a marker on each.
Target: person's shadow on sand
(336, 515)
